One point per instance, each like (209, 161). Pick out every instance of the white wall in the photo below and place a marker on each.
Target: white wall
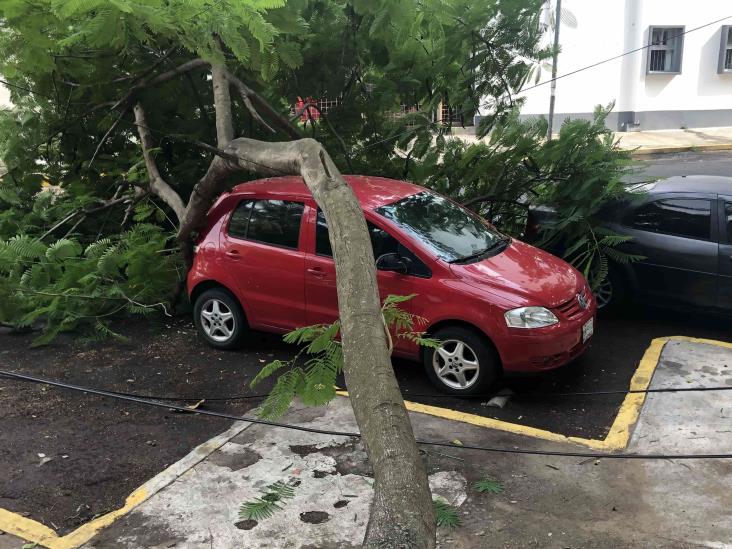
(4, 97)
(582, 46)
(609, 28)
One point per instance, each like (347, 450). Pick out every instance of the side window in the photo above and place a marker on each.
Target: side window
(381, 243)
(688, 217)
(240, 219)
(275, 222)
(728, 218)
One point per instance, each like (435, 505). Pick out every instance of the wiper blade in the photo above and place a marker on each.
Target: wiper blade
(496, 247)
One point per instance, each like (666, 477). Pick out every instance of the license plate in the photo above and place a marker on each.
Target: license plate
(588, 329)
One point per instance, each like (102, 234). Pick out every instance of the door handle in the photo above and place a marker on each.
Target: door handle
(233, 254)
(316, 272)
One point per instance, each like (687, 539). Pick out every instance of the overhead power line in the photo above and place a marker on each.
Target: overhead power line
(559, 77)
(315, 430)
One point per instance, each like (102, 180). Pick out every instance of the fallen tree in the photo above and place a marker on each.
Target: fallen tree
(402, 514)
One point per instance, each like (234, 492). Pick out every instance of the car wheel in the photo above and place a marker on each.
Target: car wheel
(465, 363)
(219, 319)
(612, 292)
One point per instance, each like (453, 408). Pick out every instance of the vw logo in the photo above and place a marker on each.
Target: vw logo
(582, 300)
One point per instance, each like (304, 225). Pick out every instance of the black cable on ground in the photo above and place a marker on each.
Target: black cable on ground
(438, 395)
(257, 421)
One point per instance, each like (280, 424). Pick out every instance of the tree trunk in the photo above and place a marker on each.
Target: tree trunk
(402, 514)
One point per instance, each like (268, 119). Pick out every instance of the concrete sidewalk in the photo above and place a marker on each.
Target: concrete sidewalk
(547, 501)
(673, 141)
(654, 142)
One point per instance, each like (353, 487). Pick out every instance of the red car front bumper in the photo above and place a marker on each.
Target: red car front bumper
(541, 349)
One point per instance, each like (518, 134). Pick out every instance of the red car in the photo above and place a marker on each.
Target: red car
(497, 305)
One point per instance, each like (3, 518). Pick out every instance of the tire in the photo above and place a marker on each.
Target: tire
(461, 347)
(219, 319)
(612, 295)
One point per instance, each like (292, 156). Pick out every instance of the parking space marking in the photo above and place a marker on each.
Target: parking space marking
(33, 531)
(617, 437)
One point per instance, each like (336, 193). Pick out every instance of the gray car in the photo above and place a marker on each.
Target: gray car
(683, 227)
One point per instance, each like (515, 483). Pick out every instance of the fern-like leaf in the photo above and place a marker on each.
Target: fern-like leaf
(488, 485)
(271, 501)
(447, 515)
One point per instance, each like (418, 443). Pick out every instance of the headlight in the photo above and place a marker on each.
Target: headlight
(530, 317)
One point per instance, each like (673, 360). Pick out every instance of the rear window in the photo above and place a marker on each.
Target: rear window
(274, 222)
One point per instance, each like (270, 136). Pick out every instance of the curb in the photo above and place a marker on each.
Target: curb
(681, 148)
(33, 531)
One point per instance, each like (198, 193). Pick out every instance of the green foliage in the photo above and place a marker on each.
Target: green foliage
(272, 500)
(67, 60)
(488, 485)
(447, 515)
(315, 382)
(64, 285)
(577, 174)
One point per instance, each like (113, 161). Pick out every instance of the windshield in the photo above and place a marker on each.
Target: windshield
(451, 231)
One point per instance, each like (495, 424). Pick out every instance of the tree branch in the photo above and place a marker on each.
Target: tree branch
(147, 71)
(106, 136)
(253, 101)
(83, 212)
(159, 79)
(222, 106)
(338, 137)
(158, 185)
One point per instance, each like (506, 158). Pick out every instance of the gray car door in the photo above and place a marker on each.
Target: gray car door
(725, 252)
(677, 233)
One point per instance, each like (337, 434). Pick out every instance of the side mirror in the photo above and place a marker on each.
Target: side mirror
(393, 262)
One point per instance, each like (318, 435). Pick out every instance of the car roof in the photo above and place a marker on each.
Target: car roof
(370, 191)
(712, 184)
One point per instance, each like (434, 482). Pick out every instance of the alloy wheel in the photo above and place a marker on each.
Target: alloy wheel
(217, 320)
(456, 364)
(604, 293)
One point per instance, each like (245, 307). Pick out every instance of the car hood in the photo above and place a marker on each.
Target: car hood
(532, 275)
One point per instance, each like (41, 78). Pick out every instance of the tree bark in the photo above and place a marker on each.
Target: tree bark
(402, 513)
(222, 100)
(158, 185)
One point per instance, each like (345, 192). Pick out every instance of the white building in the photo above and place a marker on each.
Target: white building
(4, 97)
(678, 76)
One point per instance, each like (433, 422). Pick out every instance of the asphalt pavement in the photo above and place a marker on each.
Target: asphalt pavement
(702, 163)
(613, 357)
(619, 343)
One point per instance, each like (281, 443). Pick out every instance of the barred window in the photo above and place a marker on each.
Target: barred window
(665, 47)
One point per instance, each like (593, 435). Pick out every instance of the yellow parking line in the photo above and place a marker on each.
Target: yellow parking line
(619, 434)
(616, 439)
(31, 530)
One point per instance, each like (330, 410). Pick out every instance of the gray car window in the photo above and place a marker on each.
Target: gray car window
(728, 215)
(381, 242)
(275, 222)
(688, 217)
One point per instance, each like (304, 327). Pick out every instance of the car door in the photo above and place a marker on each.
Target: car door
(677, 234)
(320, 278)
(261, 244)
(725, 252)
